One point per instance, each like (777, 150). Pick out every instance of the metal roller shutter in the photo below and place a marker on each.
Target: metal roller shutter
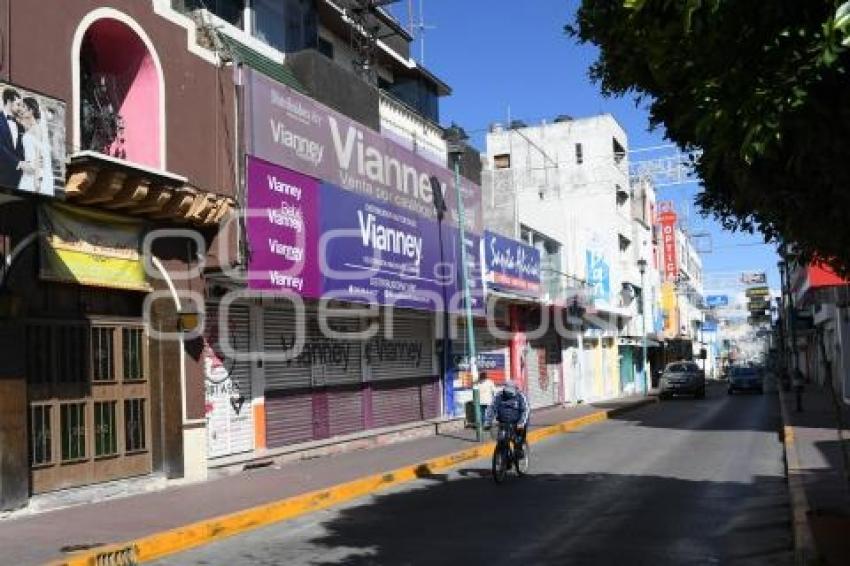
(538, 386)
(289, 418)
(431, 398)
(345, 409)
(407, 353)
(230, 421)
(397, 402)
(323, 360)
(278, 337)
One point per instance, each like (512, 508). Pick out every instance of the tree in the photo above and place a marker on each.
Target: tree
(761, 87)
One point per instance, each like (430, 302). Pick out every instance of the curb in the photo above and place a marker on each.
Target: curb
(183, 538)
(804, 541)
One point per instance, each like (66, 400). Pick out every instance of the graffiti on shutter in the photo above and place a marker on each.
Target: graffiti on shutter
(322, 360)
(407, 351)
(230, 423)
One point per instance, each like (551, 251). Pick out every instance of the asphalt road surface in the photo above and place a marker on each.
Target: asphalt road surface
(682, 482)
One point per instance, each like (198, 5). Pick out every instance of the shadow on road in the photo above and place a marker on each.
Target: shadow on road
(563, 519)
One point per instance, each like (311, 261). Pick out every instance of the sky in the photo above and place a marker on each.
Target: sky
(513, 58)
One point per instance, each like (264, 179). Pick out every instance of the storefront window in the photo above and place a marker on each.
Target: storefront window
(73, 427)
(105, 435)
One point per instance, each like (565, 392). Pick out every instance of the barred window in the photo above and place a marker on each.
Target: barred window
(134, 424)
(105, 433)
(73, 430)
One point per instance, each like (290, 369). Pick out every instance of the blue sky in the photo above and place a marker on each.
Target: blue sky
(500, 54)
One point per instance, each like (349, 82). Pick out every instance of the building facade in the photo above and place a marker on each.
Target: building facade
(569, 181)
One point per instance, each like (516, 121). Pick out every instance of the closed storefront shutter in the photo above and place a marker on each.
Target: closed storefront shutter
(547, 374)
(345, 409)
(407, 352)
(323, 359)
(431, 398)
(289, 418)
(538, 379)
(397, 402)
(230, 423)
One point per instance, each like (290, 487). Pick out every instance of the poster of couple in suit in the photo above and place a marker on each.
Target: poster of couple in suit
(32, 142)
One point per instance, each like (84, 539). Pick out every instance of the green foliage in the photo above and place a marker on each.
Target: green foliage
(761, 87)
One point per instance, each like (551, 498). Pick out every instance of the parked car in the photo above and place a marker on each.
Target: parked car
(682, 378)
(746, 378)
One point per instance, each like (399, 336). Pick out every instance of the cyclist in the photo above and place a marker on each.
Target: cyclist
(510, 406)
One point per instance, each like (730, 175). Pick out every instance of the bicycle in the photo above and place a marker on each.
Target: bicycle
(505, 453)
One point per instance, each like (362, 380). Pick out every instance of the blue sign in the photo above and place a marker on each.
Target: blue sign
(713, 301)
(511, 265)
(598, 276)
(710, 326)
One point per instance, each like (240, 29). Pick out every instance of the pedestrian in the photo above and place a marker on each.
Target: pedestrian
(486, 391)
(798, 381)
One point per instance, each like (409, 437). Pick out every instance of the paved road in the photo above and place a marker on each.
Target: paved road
(682, 482)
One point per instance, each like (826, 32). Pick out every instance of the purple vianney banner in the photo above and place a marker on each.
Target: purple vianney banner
(289, 129)
(315, 239)
(282, 230)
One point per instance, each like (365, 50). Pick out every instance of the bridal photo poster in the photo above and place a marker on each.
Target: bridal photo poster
(32, 142)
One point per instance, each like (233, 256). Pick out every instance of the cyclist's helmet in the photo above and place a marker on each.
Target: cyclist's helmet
(510, 389)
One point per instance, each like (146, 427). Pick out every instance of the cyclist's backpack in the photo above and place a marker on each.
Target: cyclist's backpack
(510, 409)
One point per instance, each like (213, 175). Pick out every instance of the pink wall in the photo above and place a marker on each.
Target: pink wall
(122, 54)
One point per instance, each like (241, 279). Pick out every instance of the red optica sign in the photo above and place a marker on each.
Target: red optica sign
(668, 239)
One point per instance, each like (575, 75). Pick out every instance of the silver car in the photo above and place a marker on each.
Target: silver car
(682, 378)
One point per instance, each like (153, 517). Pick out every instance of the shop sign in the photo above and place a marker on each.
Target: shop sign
(32, 142)
(511, 265)
(89, 247)
(314, 239)
(758, 292)
(494, 363)
(598, 276)
(289, 129)
(667, 219)
(753, 278)
(714, 301)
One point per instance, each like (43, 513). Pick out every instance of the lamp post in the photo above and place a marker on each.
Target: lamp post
(455, 136)
(641, 263)
(440, 207)
(791, 318)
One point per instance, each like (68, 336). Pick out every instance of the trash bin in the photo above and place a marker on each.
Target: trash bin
(470, 413)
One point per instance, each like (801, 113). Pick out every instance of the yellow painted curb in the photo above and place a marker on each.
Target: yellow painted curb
(804, 540)
(206, 531)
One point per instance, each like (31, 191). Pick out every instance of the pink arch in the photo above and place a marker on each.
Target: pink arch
(128, 67)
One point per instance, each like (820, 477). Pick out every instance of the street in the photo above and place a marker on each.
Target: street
(681, 482)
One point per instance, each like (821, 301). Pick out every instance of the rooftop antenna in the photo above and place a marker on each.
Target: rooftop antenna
(418, 27)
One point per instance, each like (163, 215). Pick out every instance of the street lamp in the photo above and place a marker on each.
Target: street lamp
(455, 140)
(641, 263)
(440, 207)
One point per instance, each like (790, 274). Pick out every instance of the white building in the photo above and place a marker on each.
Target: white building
(569, 179)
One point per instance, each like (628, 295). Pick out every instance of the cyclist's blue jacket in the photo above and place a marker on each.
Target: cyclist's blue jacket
(509, 410)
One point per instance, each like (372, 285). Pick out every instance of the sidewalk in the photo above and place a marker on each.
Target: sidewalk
(820, 495)
(50, 536)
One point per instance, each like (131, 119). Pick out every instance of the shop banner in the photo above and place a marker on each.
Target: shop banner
(89, 247)
(511, 265)
(315, 239)
(32, 142)
(289, 129)
(714, 301)
(598, 276)
(668, 237)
